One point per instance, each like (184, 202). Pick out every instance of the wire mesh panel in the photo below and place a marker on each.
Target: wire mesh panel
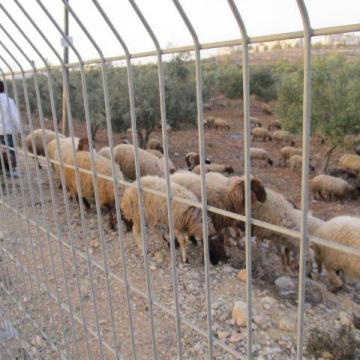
(85, 272)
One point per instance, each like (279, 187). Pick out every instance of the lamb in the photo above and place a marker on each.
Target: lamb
(220, 168)
(346, 231)
(222, 192)
(187, 218)
(295, 162)
(221, 124)
(261, 133)
(157, 153)
(105, 187)
(266, 109)
(287, 151)
(154, 144)
(351, 162)
(282, 136)
(329, 187)
(192, 159)
(261, 154)
(278, 211)
(125, 158)
(274, 125)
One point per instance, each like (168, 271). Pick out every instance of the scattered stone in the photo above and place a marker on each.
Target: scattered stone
(94, 244)
(159, 257)
(287, 325)
(152, 267)
(267, 302)
(314, 292)
(235, 337)
(345, 319)
(239, 313)
(356, 293)
(176, 154)
(285, 287)
(37, 341)
(222, 334)
(241, 275)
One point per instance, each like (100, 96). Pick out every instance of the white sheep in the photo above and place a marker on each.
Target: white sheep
(283, 136)
(350, 162)
(261, 133)
(346, 231)
(220, 168)
(261, 154)
(286, 152)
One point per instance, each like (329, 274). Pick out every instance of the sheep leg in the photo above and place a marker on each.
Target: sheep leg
(112, 220)
(137, 237)
(182, 243)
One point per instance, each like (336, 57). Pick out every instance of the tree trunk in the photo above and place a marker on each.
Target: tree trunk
(326, 159)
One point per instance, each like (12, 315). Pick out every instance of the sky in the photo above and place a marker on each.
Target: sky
(212, 20)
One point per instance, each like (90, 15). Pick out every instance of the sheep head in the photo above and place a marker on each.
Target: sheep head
(229, 169)
(83, 145)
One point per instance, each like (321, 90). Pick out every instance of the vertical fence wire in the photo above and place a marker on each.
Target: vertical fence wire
(305, 173)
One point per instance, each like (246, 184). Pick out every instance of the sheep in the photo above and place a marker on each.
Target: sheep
(261, 133)
(346, 231)
(222, 192)
(187, 218)
(260, 154)
(157, 153)
(192, 159)
(220, 168)
(66, 150)
(154, 144)
(105, 152)
(282, 136)
(105, 187)
(349, 176)
(221, 124)
(266, 109)
(255, 122)
(125, 158)
(209, 121)
(330, 187)
(295, 162)
(274, 125)
(172, 167)
(351, 162)
(38, 140)
(278, 211)
(287, 151)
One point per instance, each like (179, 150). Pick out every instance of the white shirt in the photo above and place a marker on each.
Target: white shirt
(9, 117)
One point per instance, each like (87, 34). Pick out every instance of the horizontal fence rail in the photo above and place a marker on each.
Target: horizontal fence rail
(85, 304)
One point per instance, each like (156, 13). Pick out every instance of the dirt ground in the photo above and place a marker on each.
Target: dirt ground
(55, 264)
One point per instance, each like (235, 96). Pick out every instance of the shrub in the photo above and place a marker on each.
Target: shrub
(263, 83)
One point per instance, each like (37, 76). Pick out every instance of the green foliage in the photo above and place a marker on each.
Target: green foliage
(335, 99)
(229, 81)
(263, 83)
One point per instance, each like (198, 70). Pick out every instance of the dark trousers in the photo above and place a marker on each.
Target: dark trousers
(10, 143)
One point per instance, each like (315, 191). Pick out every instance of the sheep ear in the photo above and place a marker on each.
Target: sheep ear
(83, 144)
(236, 194)
(258, 189)
(230, 169)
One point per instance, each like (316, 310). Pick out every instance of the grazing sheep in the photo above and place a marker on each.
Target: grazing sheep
(346, 231)
(255, 122)
(295, 163)
(221, 124)
(282, 136)
(274, 125)
(105, 186)
(157, 153)
(286, 152)
(278, 211)
(348, 175)
(154, 144)
(222, 192)
(125, 158)
(209, 121)
(261, 133)
(172, 167)
(260, 154)
(266, 109)
(192, 159)
(38, 141)
(187, 218)
(220, 168)
(351, 162)
(330, 187)
(66, 151)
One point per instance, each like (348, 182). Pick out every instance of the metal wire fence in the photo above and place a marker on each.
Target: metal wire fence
(44, 278)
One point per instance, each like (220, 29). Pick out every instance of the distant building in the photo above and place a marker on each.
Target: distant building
(342, 39)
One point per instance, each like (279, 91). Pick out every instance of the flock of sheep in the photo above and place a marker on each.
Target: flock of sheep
(224, 192)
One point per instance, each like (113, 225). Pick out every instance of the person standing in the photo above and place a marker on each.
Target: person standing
(9, 124)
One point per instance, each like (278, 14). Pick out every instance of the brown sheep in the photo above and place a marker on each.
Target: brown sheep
(255, 122)
(266, 109)
(350, 162)
(192, 159)
(260, 154)
(260, 133)
(187, 218)
(295, 163)
(209, 121)
(221, 124)
(286, 152)
(105, 186)
(274, 125)
(220, 168)
(37, 136)
(284, 137)
(157, 153)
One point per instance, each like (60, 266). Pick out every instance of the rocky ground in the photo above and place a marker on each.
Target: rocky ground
(54, 263)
